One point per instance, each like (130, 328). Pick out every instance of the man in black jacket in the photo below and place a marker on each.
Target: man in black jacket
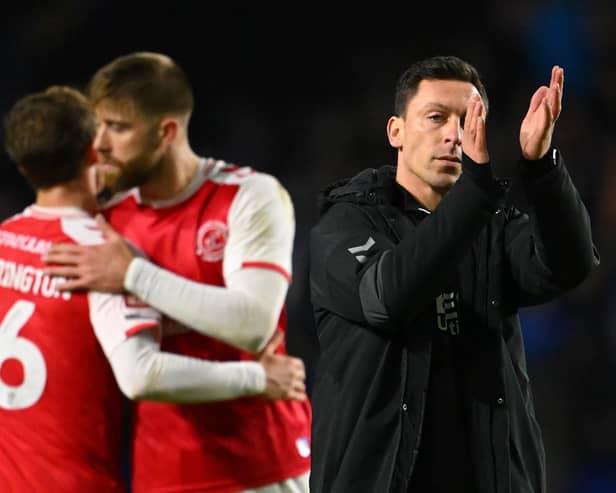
(417, 275)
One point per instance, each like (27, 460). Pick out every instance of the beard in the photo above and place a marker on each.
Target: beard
(137, 172)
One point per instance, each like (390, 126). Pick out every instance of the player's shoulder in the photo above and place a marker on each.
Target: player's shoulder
(67, 225)
(244, 175)
(83, 230)
(11, 220)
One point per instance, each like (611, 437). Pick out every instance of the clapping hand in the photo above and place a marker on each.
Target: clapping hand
(538, 124)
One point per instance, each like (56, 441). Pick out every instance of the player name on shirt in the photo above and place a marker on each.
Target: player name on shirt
(29, 279)
(25, 243)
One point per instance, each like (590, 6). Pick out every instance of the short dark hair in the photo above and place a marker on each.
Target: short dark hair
(435, 68)
(153, 82)
(48, 135)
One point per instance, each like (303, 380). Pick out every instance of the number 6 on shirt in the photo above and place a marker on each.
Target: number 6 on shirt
(25, 352)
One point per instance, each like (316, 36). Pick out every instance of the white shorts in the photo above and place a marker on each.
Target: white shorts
(298, 484)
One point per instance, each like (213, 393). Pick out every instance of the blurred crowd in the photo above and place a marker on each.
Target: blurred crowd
(307, 99)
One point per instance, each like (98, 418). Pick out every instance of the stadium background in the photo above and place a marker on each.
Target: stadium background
(306, 97)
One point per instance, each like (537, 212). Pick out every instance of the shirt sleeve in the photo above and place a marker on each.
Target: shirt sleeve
(244, 313)
(143, 371)
(256, 268)
(261, 227)
(117, 317)
(359, 272)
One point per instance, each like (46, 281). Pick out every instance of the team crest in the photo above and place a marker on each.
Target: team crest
(211, 240)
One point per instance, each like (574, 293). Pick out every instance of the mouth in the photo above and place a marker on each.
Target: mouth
(449, 159)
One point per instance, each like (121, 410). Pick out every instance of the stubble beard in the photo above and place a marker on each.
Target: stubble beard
(137, 173)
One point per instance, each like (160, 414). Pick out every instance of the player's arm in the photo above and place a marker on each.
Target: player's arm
(257, 266)
(130, 335)
(144, 372)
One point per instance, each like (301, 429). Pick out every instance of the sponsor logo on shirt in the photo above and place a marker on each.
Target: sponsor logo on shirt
(24, 242)
(447, 313)
(303, 447)
(211, 240)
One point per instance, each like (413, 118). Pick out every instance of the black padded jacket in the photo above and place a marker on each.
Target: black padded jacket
(378, 261)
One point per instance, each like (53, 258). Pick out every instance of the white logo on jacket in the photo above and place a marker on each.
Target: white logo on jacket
(362, 248)
(211, 240)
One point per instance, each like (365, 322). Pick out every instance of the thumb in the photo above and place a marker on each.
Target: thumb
(274, 342)
(104, 226)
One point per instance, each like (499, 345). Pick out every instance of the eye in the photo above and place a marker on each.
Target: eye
(117, 126)
(436, 117)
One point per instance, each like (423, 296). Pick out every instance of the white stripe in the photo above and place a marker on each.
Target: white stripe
(363, 248)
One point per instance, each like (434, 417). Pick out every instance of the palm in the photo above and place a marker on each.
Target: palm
(538, 124)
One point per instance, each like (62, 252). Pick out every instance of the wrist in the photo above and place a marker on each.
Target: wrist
(534, 168)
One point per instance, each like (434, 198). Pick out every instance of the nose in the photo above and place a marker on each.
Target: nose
(453, 131)
(101, 140)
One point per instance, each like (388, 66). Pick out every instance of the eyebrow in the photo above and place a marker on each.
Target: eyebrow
(438, 105)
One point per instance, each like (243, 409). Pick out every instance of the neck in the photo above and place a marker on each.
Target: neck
(425, 194)
(177, 169)
(73, 194)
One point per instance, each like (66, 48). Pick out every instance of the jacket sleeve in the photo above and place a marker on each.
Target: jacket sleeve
(363, 274)
(550, 249)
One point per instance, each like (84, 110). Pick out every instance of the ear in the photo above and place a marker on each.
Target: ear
(395, 130)
(168, 130)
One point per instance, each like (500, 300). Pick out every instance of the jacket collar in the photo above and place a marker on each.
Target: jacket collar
(372, 186)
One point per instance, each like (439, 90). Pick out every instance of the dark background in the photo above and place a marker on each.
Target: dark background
(306, 96)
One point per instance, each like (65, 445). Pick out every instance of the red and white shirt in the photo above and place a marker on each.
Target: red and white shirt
(61, 412)
(228, 218)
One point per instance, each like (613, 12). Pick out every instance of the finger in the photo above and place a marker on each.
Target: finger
(61, 271)
(294, 395)
(274, 342)
(553, 98)
(468, 130)
(478, 110)
(480, 138)
(297, 367)
(61, 258)
(537, 99)
(557, 76)
(71, 285)
(560, 79)
(63, 248)
(547, 113)
(554, 76)
(475, 121)
(299, 386)
(473, 113)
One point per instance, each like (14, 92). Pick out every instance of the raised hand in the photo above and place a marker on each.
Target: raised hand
(538, 124)
(285, 375)
(95, 267)
(474, 142)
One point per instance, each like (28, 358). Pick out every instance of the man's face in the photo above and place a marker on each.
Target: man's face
(429, 137)
(127, 141)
